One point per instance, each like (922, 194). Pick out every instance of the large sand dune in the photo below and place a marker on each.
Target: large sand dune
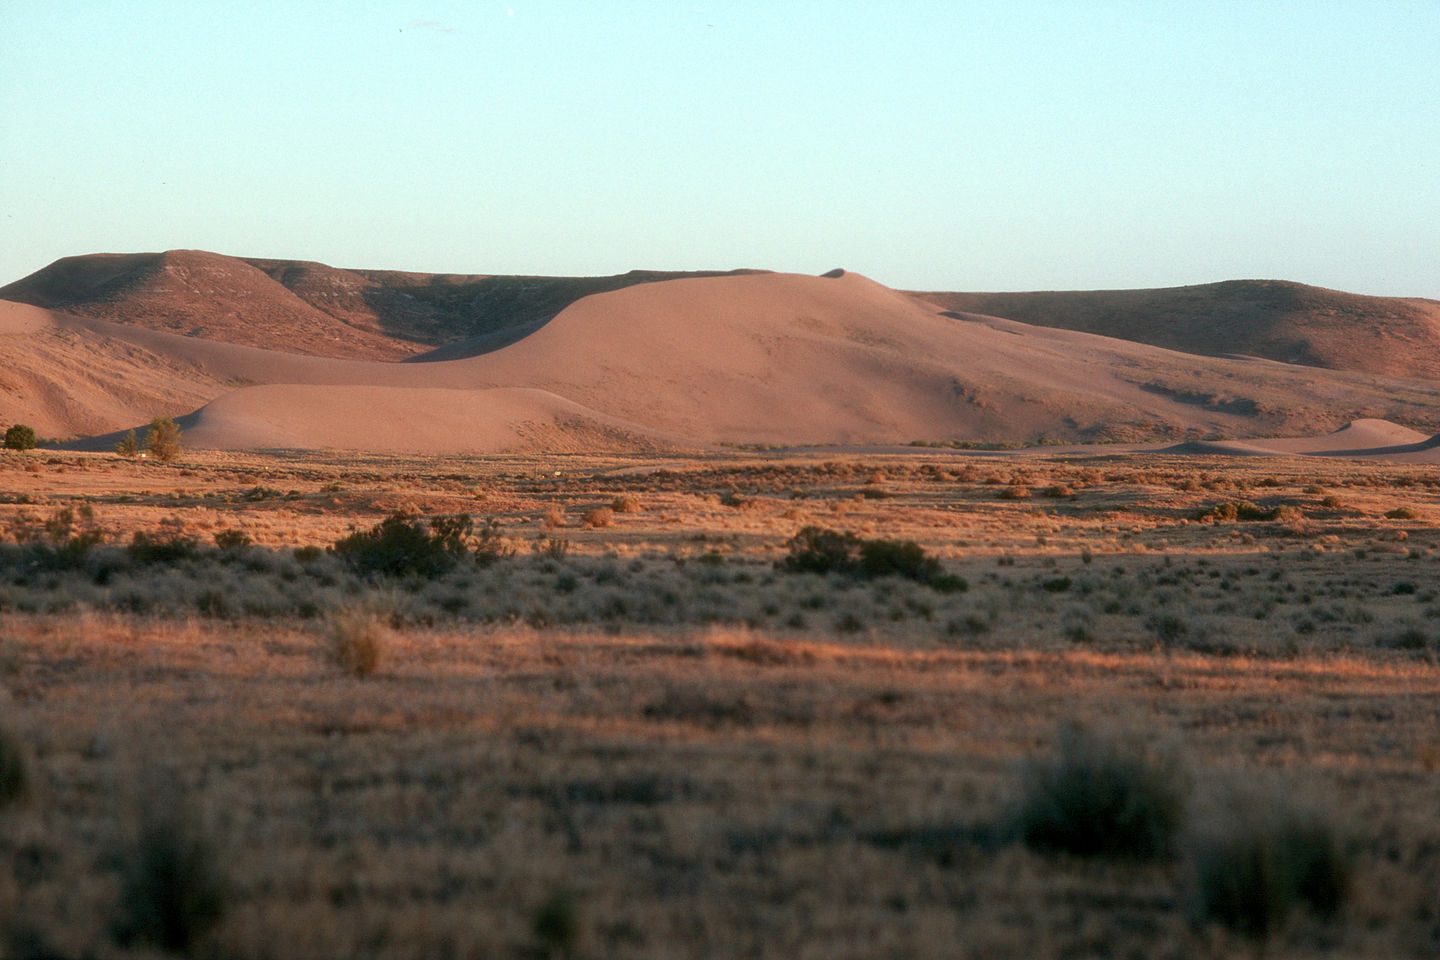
(747, 359)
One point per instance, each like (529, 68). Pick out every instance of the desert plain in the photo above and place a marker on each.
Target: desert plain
(629, 710)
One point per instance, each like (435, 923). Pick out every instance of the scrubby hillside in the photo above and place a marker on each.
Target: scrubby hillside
(1275, 319)
(308, 308)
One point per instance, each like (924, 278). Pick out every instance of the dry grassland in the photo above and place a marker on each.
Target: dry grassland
(631, 735)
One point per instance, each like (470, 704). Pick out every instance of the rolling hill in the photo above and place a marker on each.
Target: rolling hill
(309, 308)
(1275, 319)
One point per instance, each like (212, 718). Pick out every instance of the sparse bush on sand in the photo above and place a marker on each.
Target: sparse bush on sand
(1268, 858)
(128, 446)
(162, 439)
(625, 503)
(1102, 797)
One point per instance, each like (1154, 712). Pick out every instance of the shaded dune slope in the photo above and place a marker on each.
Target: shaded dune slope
(1278, 320)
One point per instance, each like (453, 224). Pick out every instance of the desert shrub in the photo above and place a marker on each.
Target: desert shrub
(172, 891)
(625, 504)
(1167, 628)
(1270, 858)
(260, 493)
(817, 550)
(162, 439)
(1058, 491)
(1015, 492)
(232, 539)
(14, 769)
(403, 544)
(128, 446)
(1402, 513)
(1102, 797)
(20, 437)
(146, 549)
(598, 517)
(309, 553)
(357, 641)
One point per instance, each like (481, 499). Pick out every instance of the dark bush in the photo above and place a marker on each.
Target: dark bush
(403, 544)
(817, 550)
(171, 893)
(20, 437)
(1100, 797)
(146, 549)
(14, 771)
(1269, 858)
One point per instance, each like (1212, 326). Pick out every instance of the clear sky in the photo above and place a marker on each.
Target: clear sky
(929, 145)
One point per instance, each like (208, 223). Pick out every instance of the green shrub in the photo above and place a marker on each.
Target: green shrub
(20, 437)
(172, 892)
(1101, 797)
(403, 545)
(162, 439)
(128, 445)
(1268, 859)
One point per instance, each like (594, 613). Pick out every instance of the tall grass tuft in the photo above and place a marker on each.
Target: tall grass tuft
(357, 641)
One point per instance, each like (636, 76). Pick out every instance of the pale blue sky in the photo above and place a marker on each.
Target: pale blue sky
(930, 145)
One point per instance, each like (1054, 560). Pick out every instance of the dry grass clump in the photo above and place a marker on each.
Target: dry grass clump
(1269, 858)
(357, 641)
(625, 503)
(1102, 797)
(172, 891)
(598, 517)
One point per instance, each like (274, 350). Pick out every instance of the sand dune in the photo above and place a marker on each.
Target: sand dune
(748, 359)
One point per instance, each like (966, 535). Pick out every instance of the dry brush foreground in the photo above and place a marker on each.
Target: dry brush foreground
(645, 738)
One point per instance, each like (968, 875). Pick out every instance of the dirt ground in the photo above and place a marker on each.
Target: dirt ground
(631, 733)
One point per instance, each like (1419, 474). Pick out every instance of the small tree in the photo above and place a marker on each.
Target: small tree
(163, 439)
(20, 437)
(129, 445)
